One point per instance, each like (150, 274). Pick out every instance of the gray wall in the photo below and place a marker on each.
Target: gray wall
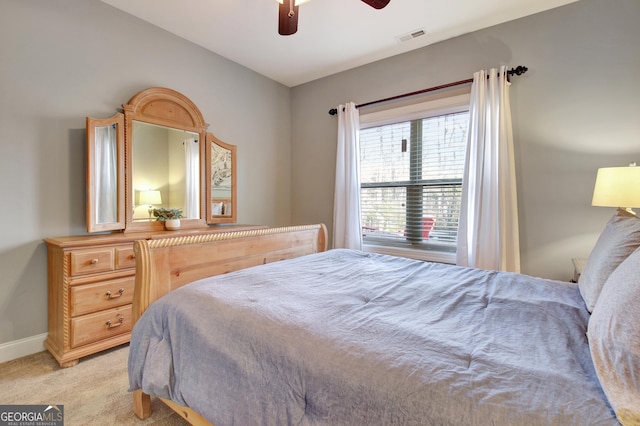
(576, 109)
(63, 60)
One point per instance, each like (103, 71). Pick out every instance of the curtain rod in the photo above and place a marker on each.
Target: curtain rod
(519, 70)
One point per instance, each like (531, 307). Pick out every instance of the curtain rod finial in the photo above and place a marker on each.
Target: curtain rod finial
(333, 111)
(519, 70)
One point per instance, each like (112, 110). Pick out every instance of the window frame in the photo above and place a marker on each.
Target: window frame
(421, 110)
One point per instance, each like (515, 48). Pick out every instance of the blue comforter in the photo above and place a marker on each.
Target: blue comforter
(351, 338)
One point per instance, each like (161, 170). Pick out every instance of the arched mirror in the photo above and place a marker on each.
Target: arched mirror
(164, 131)
(162, 159)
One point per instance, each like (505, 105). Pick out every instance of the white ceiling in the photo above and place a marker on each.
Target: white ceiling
(333, 35)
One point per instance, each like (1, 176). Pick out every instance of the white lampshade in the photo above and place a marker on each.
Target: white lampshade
(617, 187)
(150, 197)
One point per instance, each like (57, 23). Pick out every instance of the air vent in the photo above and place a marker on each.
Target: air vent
(410, 36)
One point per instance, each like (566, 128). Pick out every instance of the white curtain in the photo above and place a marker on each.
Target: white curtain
(347, 232)
(106, 164)
(488, 228)
(192, 179)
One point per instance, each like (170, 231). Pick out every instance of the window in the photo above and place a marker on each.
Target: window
(412, 161)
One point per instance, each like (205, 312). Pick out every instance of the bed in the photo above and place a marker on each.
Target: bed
(274, 329)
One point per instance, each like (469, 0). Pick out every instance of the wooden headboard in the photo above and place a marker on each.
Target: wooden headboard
(165, 264)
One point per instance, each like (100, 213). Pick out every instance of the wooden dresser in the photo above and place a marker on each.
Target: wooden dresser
(91, 281)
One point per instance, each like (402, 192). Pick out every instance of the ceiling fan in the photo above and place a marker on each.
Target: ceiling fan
(288, 13)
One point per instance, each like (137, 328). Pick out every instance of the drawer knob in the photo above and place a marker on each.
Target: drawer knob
(111, 296)
(94, 261)
(118, 324)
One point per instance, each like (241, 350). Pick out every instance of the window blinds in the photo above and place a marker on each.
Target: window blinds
(411, 178)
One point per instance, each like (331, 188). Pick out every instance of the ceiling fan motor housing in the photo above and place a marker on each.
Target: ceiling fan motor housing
(288, 14)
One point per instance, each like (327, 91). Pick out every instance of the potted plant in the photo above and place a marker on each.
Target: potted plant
(170, 217)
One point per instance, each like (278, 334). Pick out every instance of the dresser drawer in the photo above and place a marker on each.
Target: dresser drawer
(125, 257)
(88, 298)
(91, 261)
(101, 325)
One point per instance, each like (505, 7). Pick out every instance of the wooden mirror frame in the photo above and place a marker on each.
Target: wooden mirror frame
(164, 107)
(167, 108)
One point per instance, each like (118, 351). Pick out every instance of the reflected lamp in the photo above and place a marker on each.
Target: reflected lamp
(150, 198)
(618, 187)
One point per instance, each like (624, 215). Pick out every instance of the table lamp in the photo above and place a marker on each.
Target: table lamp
(151, 198)
(618, 187)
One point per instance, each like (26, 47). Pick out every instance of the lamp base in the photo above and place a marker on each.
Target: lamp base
(629, 210)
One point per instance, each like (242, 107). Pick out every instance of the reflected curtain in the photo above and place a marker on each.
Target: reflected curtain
(347, 232)
(192, 179)
(106, 174)
(488, 228)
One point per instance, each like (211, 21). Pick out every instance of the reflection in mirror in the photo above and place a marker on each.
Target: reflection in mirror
(106, 166)
(220, 159)
(165, 170)
(105, 185)
(221, 180)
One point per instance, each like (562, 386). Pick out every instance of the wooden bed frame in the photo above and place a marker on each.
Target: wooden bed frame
(166, 264)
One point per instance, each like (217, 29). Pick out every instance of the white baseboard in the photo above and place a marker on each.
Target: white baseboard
(22, 347)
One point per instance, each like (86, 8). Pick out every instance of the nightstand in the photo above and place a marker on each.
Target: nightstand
(578, 266)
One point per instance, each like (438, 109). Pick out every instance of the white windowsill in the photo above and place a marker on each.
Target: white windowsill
(426, 255)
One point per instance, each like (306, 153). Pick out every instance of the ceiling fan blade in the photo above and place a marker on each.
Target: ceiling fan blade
(287, 17)
(377, 4)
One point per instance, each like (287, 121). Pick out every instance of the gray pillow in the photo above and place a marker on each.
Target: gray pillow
(614, 339)
(621, 236)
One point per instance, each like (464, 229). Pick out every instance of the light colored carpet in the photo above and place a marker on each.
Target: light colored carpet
(94, 392)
